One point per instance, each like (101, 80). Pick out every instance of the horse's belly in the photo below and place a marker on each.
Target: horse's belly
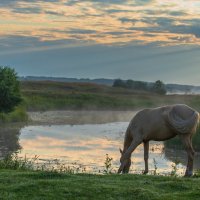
(160, 135)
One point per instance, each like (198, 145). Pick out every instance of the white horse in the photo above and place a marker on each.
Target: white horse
(160, 124)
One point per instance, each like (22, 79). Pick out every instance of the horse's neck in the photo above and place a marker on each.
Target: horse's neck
(127, 141)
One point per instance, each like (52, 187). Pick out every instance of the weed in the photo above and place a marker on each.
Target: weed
(18, 115)
(175, 168)
(12, 161)
(197, 173)
(155, 167)
(108, 165)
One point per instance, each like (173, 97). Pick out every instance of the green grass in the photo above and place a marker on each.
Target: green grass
(18, 115)
(19, 180)
(15, 184)
(47, 95)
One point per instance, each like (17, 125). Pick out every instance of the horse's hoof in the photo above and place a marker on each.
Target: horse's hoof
(188, 174)
(145, 172)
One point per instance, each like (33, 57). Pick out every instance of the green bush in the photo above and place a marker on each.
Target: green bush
(18, 115)
(9, 89)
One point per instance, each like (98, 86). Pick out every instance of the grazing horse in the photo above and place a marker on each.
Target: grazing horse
(160, 124)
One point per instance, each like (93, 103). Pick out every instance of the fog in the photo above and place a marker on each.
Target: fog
(80, 117)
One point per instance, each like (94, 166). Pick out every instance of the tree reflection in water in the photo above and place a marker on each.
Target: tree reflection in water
(177, 153)
(9, 140)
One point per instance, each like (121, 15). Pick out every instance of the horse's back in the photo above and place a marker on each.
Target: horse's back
(153, 124)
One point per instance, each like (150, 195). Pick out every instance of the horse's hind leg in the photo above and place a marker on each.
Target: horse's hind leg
(146, 156)
(187, 141)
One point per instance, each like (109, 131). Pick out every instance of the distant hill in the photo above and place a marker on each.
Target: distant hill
(102, 81)
(171, 88)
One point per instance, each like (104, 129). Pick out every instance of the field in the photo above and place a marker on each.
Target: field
(50, 95)
(19, 185)
(47, 95)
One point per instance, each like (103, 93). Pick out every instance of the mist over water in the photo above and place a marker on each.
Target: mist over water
(81, 117)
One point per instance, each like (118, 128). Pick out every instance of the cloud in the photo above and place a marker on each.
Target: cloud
(80, 31)
(193, 30)
(104, 38)
(177, 13)
(110, 22)
(8, 3)
(143, 2)
(27, 10)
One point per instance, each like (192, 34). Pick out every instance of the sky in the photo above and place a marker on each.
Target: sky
(130, 39)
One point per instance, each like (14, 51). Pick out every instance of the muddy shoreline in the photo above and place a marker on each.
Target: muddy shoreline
(78, 117)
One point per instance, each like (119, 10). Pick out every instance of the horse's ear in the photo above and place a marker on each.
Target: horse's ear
(120, 151)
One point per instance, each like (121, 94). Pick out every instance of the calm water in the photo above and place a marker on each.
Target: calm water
(86, 145)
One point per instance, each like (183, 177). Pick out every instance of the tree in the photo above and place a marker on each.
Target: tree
(130, 84)
(140, 85)
(119, 83)
(159, 87)
(10, 95)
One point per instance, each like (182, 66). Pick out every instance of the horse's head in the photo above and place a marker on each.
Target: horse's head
(125, 163)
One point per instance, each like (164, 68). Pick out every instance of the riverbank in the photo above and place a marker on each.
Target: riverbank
(19, 115)
(22, 185)
(73, 117)
(47, 96)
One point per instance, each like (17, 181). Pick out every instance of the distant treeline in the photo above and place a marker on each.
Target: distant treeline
(156, 87)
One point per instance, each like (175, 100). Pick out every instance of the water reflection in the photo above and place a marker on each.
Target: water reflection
(88, 145)
(176, 155)
(9, 140)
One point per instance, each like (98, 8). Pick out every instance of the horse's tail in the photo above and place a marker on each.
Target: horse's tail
(181, 125)
(198, 123)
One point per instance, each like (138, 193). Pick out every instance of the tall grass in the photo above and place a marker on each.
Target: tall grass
(18, 115)
(13, 161)
(46, 95)
(79, 100)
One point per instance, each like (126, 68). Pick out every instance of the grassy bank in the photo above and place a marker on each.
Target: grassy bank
(19, 180)
(47, 185)
(47, 95)
(18, 115)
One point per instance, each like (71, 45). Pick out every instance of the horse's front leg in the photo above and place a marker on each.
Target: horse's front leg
(146, 156)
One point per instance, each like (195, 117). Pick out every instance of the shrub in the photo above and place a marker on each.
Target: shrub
(10, 95)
